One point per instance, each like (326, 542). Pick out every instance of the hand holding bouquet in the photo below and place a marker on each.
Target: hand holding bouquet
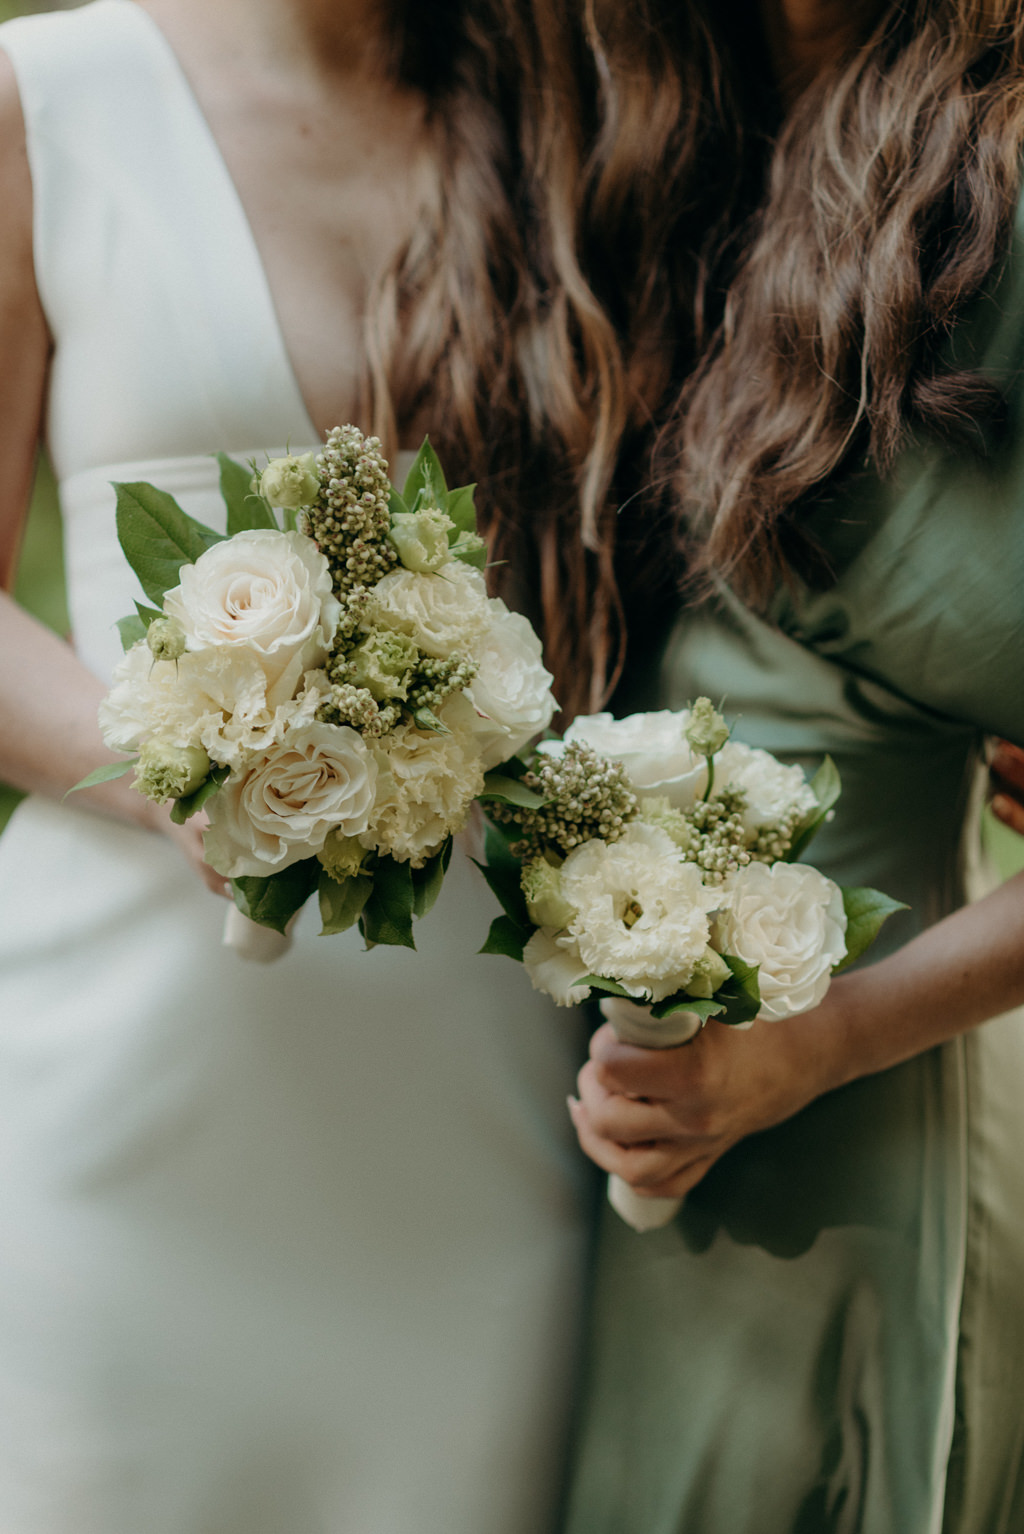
(331, 689)
(655, 861)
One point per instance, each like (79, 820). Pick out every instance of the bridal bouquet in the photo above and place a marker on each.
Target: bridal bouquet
(332, 689)
(655, 861)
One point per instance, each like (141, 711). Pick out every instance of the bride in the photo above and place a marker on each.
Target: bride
(293, 1248)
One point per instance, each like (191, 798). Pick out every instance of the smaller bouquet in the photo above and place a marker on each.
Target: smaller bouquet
(332, 689)
(655, 861)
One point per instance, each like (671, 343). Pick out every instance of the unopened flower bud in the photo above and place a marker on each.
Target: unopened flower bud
(707, 731)
(290, 482)
(170, 772)
(166, 639)
(421, 538)
(709, 973)
(542, 887)
(342, 856)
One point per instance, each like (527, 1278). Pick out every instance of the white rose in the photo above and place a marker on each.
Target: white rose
(774, 791)
(267, 592)
(511, 691)
(425, 790)
(642, 912)
(652, 748)
(789, 919)
(282, 808)
(442, 613)
(553, 963)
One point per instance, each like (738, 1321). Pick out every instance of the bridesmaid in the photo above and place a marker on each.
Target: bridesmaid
(829, 1338)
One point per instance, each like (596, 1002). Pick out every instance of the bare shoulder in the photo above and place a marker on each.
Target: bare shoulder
(24, 338)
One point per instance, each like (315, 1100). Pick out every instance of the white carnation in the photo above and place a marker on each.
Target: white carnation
(283, 806)
(442, 612)
(263, 591)
(216, 699)
(426, 786)
(511, 691)
(789, 919)
(652, 748)
(642, 911)
(775, 792)
(553, 963)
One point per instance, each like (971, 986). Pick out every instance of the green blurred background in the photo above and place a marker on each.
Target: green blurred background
(40, 586)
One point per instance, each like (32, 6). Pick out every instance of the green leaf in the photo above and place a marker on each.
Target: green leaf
(425, 482)
(272, 902)
(826, 787)
(506, 938)
(503, 873)
(680, 1002)
(247, 511)
(610, 987)
(427, 881)
(158, 537)
(342, 901)
(396, 505)
(740, 997)
(462, 512)
(105, 774)
(148, 614)
(866, 911)
(474, 554)
(131, 630)
(509, 790)
(387, 914)
(184, 809)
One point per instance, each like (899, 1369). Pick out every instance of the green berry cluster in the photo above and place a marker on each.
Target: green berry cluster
(718, 841)
(436, 679)
(357, 707)
(350, 520)
(586, 796)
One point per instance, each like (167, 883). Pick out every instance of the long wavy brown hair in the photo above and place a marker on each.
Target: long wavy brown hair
(485, 330)
(889, 198)
(644, 287)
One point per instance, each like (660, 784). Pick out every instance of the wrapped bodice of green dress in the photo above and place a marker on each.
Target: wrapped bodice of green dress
(828, 1338)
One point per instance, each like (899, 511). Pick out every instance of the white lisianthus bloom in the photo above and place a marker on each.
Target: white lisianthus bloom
(216, 699)
(652, 748)
(789, 919)
(511, 691)
(642, 912)
(425, 790)
(285, 804)
(553, 963)
(421, 538)
(263, 591)
(442, 612)
(775, 793)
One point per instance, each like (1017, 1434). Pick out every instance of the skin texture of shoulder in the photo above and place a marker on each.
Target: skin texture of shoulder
(24, 339)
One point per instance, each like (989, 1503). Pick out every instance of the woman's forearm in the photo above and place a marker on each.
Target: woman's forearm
(50, 738)
(965, 969)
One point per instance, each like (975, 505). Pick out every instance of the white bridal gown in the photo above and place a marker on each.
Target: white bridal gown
(283, 1250)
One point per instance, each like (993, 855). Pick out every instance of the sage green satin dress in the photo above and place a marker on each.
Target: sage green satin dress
(830, 1337)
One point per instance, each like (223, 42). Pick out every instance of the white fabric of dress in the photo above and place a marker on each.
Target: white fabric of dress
(284, 1250)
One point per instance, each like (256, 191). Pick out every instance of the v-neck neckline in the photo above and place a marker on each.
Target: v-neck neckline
(247, 238)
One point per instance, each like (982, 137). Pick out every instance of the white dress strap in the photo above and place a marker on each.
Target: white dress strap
(165, 331)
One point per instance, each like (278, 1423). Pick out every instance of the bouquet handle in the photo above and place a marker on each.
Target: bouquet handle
(634, 1024)
(261, 945)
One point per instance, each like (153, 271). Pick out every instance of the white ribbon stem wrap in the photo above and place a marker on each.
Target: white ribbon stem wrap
(251, 941)
(634, 1024)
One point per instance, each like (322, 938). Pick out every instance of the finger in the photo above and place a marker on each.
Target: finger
(1008, 763)
(624, 1119)
(1009, 812)
(657, 1074)
(646, 1165)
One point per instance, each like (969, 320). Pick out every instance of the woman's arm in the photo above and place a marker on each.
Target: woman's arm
(661, 1118)
(49, 736)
